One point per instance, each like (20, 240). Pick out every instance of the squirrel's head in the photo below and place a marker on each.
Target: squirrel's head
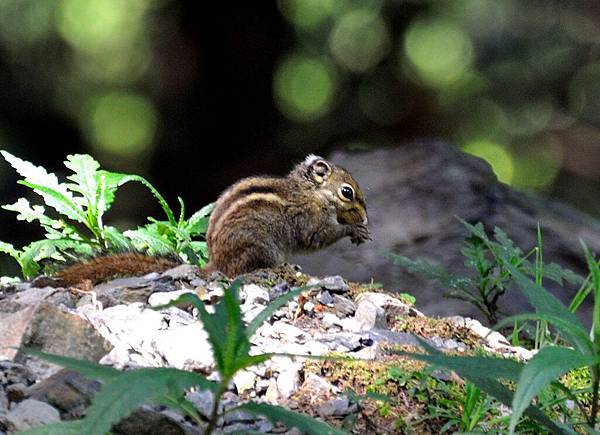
(336, 186)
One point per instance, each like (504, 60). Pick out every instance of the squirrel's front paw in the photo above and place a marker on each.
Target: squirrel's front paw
(360, 234)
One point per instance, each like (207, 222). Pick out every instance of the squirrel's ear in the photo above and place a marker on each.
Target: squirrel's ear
(318, 168)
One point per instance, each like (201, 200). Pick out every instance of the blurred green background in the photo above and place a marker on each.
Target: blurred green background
(194, 95)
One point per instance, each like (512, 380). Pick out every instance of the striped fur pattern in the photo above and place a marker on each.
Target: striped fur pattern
(259, 221)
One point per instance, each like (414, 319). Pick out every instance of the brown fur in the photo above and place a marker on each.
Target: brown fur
(110, 266)
(258, 222)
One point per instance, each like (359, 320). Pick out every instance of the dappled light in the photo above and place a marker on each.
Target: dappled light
(121, 124)
(304, 87)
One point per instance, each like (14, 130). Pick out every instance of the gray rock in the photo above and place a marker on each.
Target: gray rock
(147, 421)
(316, 385)
(325, 298)
(50, 329)
(288, 381)
(244, 381)
(183, 272)
(68, 391)
(203, 401)
(309, 307)
(369, 316)
(254, 294)
(29, 413)
(339, 406)
(343, 306)
(16, 392)
(333, 283)
(330, 319)
(163, 298)
(278, 290)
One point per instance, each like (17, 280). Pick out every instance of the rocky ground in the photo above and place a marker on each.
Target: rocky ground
(114, 323)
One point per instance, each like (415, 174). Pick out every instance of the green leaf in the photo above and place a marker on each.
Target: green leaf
(198, 222)
(84, 179)
(86, 368)
(63, 203)
(145, 239)
(484, 373)
(124, 394)
(116, 240)
(546, 366)
(546, 303)
(25, 212)
(291, 419)
(9, 249)
(62, 428)
(114, 179)
(229, 315)
(595, 283)
(431, 271)
(579, 337)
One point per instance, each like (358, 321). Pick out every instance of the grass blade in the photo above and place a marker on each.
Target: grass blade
(546, 366)
(579, 337)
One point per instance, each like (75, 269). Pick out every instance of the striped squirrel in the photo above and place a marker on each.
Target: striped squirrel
(259, 221)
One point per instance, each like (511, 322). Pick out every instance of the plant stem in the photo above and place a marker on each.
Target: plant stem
(595, 386)
(212, 422)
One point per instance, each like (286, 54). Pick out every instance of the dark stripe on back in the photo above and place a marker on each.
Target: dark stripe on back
(254, 189)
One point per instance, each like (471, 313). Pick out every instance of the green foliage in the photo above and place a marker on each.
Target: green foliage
(123, 392)
(489, 260)
(72, 217)
(581, 350)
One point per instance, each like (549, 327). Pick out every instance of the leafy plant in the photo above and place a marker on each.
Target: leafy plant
(123, 392)
(76, 226)
(548, 364)
(491, 278)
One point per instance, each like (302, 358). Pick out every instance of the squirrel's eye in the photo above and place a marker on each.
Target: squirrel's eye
(346, 193)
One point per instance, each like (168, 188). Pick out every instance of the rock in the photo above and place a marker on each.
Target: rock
(163, 298)
(382, 300)
(325, 298)
(309, 307)
(272, 393)
(143, 337)
(350, 324)
(16, 392)
(369, 316)
(316, 385)
(29, 413)
(278, 290)
(68, 391)
(338, 406)
(244, 381)
(288, 381)
(333, 283)
(254, 294)
(147, 421)
(203, 400)
(287, 331)
(343, 306)
(330, 319)
(53, 330)
(183, 272)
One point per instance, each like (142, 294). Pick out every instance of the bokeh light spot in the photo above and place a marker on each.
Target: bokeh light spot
(120, 123)
(439, 50)
(584, 93)
(359, 40)
(539, 164)
(306, 13)
(94, 25)
(304, 88)
(499, 158)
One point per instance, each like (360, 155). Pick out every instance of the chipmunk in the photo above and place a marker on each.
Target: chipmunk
(259, 221)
